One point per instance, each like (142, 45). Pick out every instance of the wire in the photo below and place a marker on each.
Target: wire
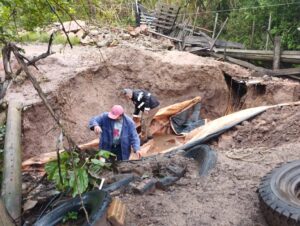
(244, 8)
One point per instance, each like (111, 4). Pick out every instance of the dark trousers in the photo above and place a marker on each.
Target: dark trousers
(116, 149)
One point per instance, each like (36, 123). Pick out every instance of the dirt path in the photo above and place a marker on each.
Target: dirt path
(226, 197)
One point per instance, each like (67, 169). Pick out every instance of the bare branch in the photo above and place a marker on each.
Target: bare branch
(42, 56)
(71, 16)
(6, 60)
(42, 95)
(60, 21)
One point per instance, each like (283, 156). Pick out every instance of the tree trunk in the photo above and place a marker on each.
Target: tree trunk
(12, 185)
(4, 217)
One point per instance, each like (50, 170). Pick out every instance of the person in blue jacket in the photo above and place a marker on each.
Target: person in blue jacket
(117, 132)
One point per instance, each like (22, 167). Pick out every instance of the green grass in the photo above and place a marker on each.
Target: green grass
(30, 37)
(62, 39)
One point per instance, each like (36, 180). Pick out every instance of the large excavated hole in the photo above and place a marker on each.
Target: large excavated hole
(171, 76)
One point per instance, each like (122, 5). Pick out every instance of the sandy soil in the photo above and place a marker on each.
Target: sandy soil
(274, 127)
(80, 84)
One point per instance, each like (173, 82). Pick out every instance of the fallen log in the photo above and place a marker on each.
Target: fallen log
(12, 186)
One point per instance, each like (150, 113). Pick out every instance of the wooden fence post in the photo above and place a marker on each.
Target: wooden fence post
(252, 33)
(277, 52)
(215, 25)
(269, 28)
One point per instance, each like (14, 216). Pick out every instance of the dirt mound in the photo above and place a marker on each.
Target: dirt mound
(272, 128)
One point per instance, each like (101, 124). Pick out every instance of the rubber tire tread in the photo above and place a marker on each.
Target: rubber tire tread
(275, 210)
(91, 201)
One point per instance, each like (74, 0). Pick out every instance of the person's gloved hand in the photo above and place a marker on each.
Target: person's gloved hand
(97, 130)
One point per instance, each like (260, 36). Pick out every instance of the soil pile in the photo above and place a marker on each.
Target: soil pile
(274, 127)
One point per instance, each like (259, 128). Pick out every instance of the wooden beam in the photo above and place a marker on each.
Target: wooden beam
(265, 55)
(12, 185)
(221, 29)
(165, 36)
(269, 28)
(215, 26)
(290, 72)
(277, 52)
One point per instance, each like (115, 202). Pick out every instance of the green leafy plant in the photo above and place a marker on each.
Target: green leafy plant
(72, 215)
(75, 173)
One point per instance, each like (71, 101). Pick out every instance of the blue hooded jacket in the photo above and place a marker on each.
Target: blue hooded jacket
(129, 137)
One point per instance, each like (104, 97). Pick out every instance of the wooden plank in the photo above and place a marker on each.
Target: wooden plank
(167, 6)
(195, 39)
(200, 40)
(266, 55)
(165, 16)
(189, 28)
(278, 72)
(221, 29)
(163, 26)
(166, 23)
(116, 212)
(228, 44)
(165, 36)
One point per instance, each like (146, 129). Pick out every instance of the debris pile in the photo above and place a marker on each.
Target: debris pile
(109, 37)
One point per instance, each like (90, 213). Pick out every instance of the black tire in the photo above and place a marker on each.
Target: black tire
(205, 156)
(279, 195)
(96, 202)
